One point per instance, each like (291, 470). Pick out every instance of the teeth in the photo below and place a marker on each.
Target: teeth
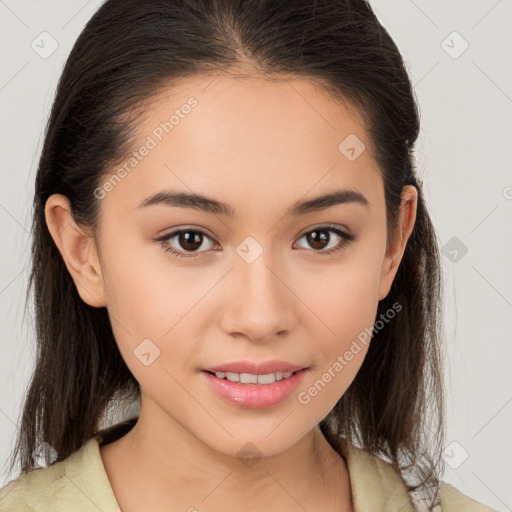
(266, 379)
(249, 378)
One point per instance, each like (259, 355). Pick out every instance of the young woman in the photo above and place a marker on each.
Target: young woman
(229, 231)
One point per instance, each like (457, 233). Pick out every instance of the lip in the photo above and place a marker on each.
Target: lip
(254, 396)
(262, 368)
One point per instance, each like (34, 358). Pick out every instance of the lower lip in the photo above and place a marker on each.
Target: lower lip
(255, 396)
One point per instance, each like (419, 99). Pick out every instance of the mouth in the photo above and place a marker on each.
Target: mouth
(254, 390)
(251, 378)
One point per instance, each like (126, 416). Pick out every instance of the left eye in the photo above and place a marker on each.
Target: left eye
(317, 238)
(192, 239)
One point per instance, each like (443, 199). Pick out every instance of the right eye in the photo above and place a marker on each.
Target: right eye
(189, 239)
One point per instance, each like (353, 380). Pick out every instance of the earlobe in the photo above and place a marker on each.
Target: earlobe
(78, 250)
(398, 243)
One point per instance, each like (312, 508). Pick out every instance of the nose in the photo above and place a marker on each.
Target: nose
(259, 303)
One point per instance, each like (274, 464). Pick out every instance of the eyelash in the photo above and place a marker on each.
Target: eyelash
(346, 239)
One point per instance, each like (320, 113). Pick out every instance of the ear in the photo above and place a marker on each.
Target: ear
(78, 249)
(400, 234)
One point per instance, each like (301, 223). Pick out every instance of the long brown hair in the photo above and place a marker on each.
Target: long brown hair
(129, 51)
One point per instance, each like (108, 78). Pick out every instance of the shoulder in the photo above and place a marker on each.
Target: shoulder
(76, 483)
(30, 491)
(452, 500)
(11, 497)
(378, 487)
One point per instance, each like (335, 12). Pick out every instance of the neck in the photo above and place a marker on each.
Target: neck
(153, 468)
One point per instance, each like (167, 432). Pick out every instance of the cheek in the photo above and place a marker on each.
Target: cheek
(146, 290)
(345, 302)
(345, 296)
(149, 301)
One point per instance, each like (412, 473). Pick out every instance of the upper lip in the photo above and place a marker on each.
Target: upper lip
(253, 368)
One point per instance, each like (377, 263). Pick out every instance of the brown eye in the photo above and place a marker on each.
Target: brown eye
(320, 239)
(190, 240)
(186, 241)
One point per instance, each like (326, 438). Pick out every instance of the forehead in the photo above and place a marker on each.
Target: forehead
(234, 135)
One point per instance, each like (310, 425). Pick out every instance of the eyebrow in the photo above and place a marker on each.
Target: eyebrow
(209, 205)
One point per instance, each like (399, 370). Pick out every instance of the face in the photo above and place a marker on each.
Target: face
(256, 287)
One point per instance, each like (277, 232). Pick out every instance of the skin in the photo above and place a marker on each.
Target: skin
(260, 146)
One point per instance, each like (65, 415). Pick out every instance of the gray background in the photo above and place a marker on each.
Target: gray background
(465, 100)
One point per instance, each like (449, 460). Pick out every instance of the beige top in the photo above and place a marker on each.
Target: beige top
(80, 484)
